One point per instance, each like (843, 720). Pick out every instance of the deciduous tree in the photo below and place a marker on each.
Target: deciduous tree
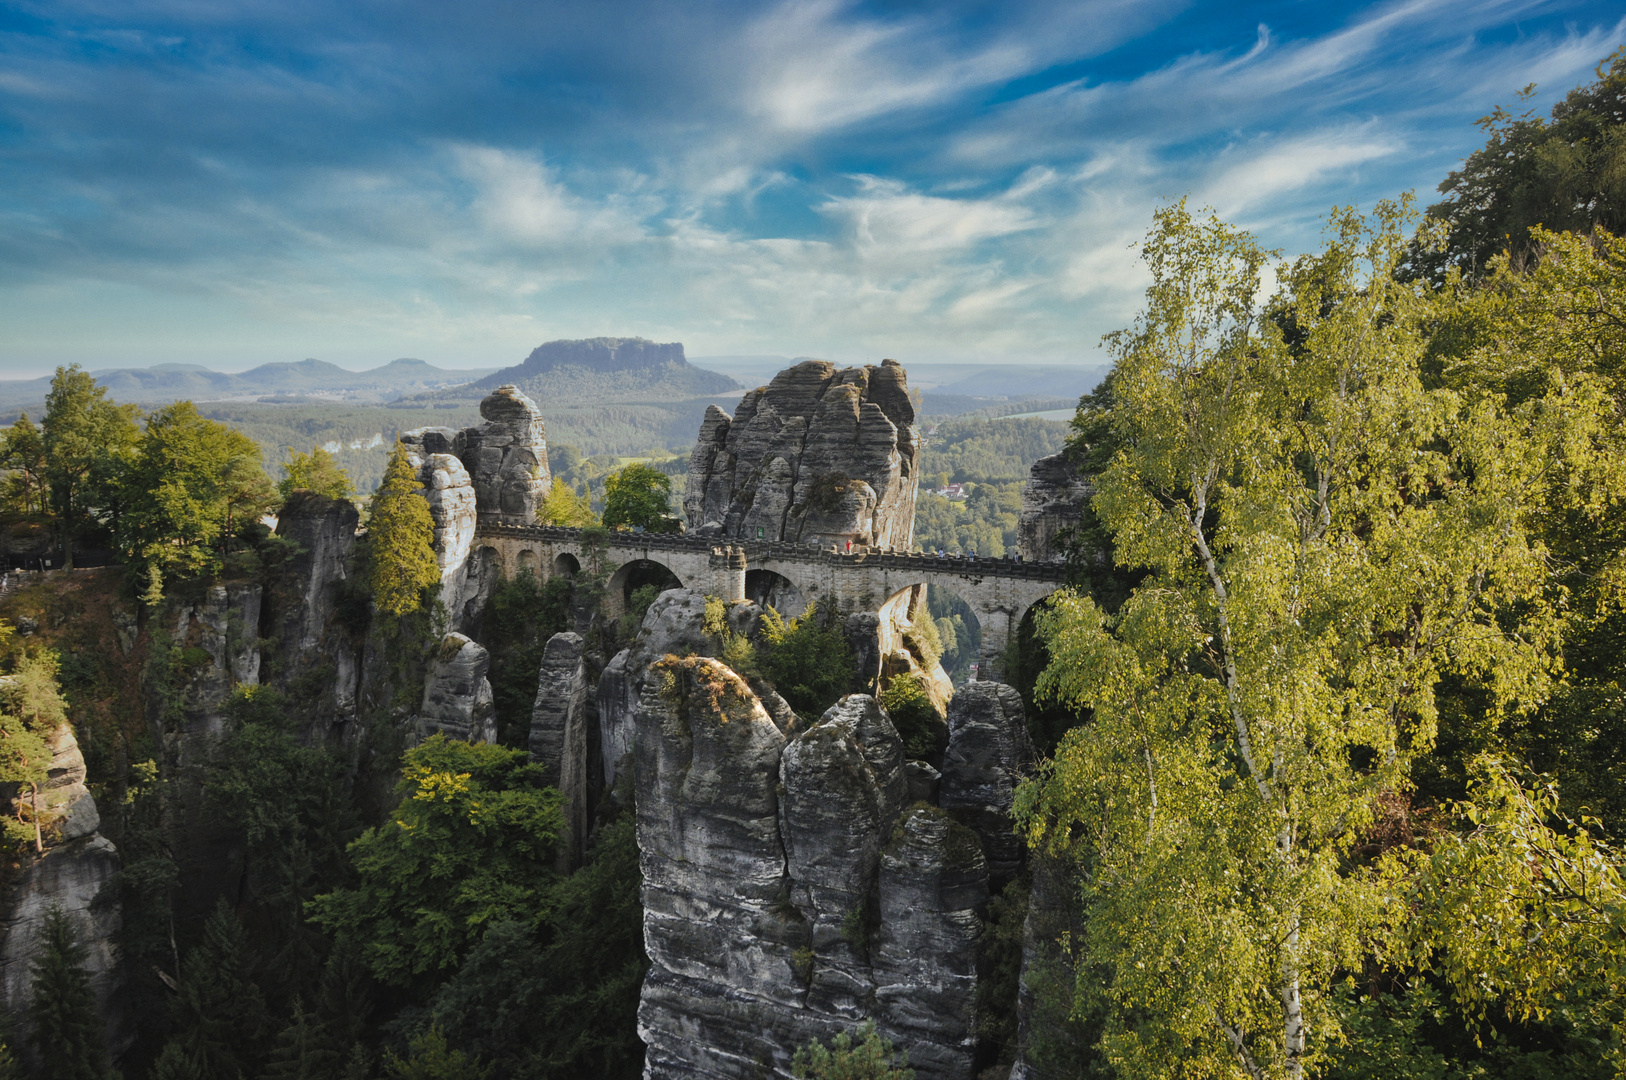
(82, 432)
(639, 497)
(1322, 538)
(316, 471)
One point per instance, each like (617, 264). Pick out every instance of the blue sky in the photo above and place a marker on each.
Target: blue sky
(223, 183)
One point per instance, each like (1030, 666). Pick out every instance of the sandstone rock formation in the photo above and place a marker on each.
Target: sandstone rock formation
(674, 623)
(304, 603)
(989, 754)
(819, 454)
(1052, 500)
(558, 739)
(457, 699)
(77, 865)
(225, 627)
(1050, 1045)
(789, 894)
(507, 458)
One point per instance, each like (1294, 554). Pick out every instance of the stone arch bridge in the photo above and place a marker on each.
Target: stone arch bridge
(999, 591)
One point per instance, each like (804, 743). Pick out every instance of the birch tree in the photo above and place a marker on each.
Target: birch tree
(1322, 538)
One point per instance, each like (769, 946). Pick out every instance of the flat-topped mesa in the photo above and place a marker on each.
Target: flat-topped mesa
(821, 454)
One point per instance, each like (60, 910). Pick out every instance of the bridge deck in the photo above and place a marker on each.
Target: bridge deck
(757, 551)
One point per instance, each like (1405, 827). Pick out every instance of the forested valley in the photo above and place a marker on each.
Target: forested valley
(1331, 716)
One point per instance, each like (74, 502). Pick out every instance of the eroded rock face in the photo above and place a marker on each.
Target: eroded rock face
(457, 699)
(77, 864)
(304, 601)
(788, 894)
(819, 454)
(67, 877)
(989, 754)
(674, 623)
(559, 732)
(934, 887)
(224, 628)
(1052, 500)
(507, 458)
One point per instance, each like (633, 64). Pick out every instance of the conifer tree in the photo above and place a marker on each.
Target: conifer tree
(402, 539)
(303, 1050)
(219, 1010)
(67, 1031)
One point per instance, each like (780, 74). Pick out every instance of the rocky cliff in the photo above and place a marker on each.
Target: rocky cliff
(820, 454)
(1052, 501)
(77, 865)
(790, 889)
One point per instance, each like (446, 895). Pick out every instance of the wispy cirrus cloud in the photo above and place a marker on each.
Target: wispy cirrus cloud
(284, 178)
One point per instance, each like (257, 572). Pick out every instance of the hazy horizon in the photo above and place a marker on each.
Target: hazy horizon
(233, 186)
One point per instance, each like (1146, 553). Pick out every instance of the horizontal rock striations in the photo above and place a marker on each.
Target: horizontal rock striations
(989, 755)
(499, 469)
(1053, 499)
(457, 698)
(790, 889)
(820, 454)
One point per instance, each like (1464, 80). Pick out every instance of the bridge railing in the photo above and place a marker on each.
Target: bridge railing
(757, 551)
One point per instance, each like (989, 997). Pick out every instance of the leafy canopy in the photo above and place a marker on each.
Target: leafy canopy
(639, 497)
(562, 506)
(807, 659)
(401, 539)
(316, 471)
(472, 842)
(192, 483)
(1322, 538)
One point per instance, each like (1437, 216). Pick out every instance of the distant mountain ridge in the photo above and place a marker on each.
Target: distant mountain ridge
(164, 383)
(599, 369)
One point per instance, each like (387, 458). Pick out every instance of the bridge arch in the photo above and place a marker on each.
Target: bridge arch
(565, 564)
(768, 588)
(635, 574)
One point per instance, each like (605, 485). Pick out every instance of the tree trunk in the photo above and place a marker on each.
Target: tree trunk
(34, 800)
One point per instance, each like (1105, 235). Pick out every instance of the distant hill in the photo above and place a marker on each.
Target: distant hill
(599, 369)
(317, 379)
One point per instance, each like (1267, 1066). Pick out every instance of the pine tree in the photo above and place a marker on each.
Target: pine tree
(402, 539)
(219, 1009)
(303, 1050)
(67, 1030)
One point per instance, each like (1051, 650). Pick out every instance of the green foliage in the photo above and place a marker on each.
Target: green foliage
(560, 1001)
(1323, 537)
(562, 506)
(401, 537)
(999, 970)
(285, 811)
(429, 1058)
(1521, 919)
(31, 710)
(316, 471)
(807, 659)
(191, 485)
(985, 451)
(639, 497)
(872, 1059)
(923, 731)
(1568, 175)
(984, 522)
(87, 440)
(67, 1030)
(302, 1050)
(223, 1027)
(523, 613)
(22, 455)
(472, 842)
